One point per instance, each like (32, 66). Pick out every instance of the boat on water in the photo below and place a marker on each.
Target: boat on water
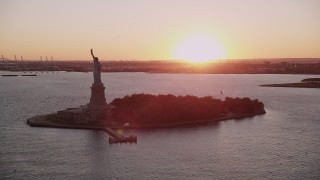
(28, 75)
(15, 75)
(9, 75)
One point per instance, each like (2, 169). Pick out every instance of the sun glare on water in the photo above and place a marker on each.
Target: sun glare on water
(199, 49)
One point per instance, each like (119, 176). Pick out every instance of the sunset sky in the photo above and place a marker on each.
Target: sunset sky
(159, 30)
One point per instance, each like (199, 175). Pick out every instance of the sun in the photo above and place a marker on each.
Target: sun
(199, 49)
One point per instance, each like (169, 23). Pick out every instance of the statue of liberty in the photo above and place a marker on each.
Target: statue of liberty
(96, 69)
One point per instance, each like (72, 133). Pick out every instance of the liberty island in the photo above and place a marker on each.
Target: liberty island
(145, 111)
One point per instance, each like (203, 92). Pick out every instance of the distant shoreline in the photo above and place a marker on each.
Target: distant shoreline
(235, 66)
(294, 85)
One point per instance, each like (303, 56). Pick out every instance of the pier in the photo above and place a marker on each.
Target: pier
(118, 138)
(42, 121)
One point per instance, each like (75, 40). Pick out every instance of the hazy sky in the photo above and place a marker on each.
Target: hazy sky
(150, 29)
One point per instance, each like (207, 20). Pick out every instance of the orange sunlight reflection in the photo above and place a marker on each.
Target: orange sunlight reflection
(199, 49)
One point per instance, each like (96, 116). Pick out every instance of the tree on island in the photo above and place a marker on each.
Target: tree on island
(151, 109)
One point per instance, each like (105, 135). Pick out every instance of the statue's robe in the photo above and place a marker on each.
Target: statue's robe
(96, 72)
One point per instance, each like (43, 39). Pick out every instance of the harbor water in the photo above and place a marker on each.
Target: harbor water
(282, 144)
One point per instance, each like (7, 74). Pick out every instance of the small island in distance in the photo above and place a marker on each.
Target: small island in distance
(305, 83)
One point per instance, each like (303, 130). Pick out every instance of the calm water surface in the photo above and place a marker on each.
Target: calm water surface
(283, 144)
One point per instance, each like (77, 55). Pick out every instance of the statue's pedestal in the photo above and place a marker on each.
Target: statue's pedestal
(97, 95)
(95, 112)
(98, 109)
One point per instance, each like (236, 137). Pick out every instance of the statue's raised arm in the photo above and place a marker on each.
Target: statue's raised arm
(92, 53)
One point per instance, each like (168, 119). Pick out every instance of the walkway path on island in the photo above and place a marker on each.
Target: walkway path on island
(41, 121)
